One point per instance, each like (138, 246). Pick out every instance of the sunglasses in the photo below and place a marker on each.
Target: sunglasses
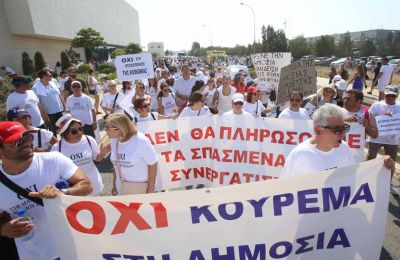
(338, 129)
(238, 103)
(144, 106)
(75, 131)
(26, 137)
(166, 90)
(295, 100)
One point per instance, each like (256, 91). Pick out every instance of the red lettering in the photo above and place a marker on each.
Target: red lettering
(166, 155)
(254, 157)
(226, 155)
(198, 172)
(196, 133)
(209, 133)
(99, 222)
(160, 214)
(354, 140)
(186, 173)
(248, 177)
(291, 137)
(216, 155)
(250, 134)
(129, 213)
(179, 156)
(160, 138)
(223, 129)
(214, 175)
(238, 132)
(174, 174)
(267, 158)
(280, 161)
(264, 134)
(221, 177)
(150, 138)
(304, 136)
(195, 152)
(235, 179)
(240, 156)
(174, 136)
(275, 140)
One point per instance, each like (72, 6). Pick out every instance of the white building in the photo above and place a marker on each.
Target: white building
(156, 47)
(49, 26)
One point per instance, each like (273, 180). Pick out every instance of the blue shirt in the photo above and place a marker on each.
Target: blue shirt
(49, 97)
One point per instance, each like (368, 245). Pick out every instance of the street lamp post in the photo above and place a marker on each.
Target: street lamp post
(254, 25)
(210, 33)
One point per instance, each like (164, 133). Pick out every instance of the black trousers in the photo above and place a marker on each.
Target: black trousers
(53, 119)
(8, 249)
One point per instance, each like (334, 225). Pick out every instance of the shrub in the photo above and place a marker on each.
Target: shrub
(105, 68)
(5, 89)
(27, 64)
(83, 68)
(39, 61)
(112, 76)
(65, 61)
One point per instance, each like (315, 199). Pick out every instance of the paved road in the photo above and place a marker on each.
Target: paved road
(391, 245)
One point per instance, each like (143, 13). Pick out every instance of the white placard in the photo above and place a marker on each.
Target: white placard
(388, 125)
(268, 65)
(134, 66)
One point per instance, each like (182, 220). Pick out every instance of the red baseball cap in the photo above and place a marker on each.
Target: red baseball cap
(12, 131)
(252, 89)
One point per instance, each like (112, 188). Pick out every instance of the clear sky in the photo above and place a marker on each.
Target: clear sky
(177, 23)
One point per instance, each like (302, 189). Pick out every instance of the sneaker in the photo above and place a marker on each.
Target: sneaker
(395, 190)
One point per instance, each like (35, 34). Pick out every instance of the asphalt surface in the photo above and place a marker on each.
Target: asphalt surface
(391, 244)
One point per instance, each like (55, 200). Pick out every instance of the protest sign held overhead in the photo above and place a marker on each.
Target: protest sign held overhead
(134, 66)
(268, 65)
(329, 214)
(298, 76)
(225, 150)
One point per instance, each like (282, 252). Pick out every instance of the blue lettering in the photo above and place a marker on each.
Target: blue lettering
(273, 251)
(338, 238)
(259, 252)
(321, 240)
(257, 205)
(134, 257)
(197, 212)
(279, 203)
(235, 215)
(111, 256)
(302, 200)
(230, 254)
(367, 196)
(196, 255)
(328, 195)
(303, 245)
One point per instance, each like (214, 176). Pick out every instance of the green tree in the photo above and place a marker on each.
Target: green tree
(39, 61)
(368, 48)
(345, 46)
(118, 52)
(133, 48)
(27, 64)
(65, 61)
(168, 52)
(195, 50)
(87, 38)
(324, 46)
(299, 47)
(273, 41)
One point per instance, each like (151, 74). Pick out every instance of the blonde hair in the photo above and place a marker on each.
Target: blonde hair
(122, 122)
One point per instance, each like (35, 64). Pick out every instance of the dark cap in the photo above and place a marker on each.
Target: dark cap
(16, 113)
(21, 80)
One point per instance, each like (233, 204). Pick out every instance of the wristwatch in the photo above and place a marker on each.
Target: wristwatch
(66, 191)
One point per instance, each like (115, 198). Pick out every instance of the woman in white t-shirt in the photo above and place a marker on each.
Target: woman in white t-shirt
(195, 106)
(133, 156)
(166, 101)
(152, 91)
(111, 100)
(126, 88)
(43, 139)
(253, 105)
(142, 108)
(294, 111)
(94, 89)
(222, 100)
(81, 149)
(140, 92)
(208, 92)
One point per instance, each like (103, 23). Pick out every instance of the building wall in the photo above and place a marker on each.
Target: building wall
(156, 47)
(49, 26)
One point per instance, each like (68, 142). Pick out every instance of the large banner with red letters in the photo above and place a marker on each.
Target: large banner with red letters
(225, 150)
(338, 214)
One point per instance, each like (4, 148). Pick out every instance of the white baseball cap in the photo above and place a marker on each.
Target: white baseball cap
(238, 97)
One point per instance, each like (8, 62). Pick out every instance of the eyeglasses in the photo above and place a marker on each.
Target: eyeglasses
(238, 103)
(338, 129)
(26, 137)
(111, 128)
(295, 100)
(75, 131)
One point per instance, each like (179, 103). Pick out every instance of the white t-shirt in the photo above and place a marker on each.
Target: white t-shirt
(287, 113)
(224, 102)
(169, 105)
(254, 109)
(108, 101)
(306, 159)
(81, 108)
(387, 71)
(82, 154)
(153, 92)
(184, 87)
(380, 108)
(150, 117)
(244, 114)
(45, 136)
(135, 156)
(209, 94)
(28, 101)
(39, 174)
(94, 82)
(189, 112)
(61, 82)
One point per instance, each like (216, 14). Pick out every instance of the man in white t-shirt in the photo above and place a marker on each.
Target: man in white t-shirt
(384, 77)
(325, 150)
(35, 173)
(183, 86)
(390, 143)
(237, 107)
(23, 97)
(81, 107)
(111, 99)
(294, 111)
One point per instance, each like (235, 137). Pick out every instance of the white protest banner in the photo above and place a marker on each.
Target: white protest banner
(127, 105)
(388, 125)
(298, 76)
(338, 214)
(268, 65)
(134, 66)
(224, 150)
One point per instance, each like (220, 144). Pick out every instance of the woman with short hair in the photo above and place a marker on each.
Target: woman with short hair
(133, 156)
(195, 106)
(294, 111)
(166, 101)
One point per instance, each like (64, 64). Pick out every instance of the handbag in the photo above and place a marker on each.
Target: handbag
(129, 188)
